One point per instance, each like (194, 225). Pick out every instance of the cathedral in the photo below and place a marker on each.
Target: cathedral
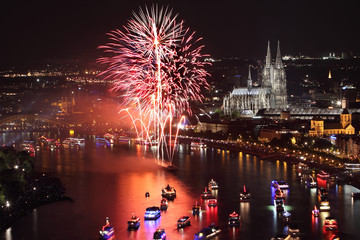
(272, 93)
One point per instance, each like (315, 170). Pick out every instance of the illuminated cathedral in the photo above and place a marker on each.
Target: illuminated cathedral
(272, 93)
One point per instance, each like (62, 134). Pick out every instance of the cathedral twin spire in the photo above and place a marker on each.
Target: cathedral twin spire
(278, 61)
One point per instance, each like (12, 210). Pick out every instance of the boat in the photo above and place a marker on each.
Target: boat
(147, 194)
(279, 194)
(234, 219)
(279, 205)
(207, 233)
(197, 145)
(152, 213)
(183, 222)
(212, 202)
(330, 225)
(286, 217)
(324, 206)
(315, 211)
(102, 141)
(311, 183)
(163, 204)
(294, 230)
(206, 194)
(134, 222)
(245, 195)
(302, 168)
(159, 234)
(322, 193)
(196, 209)
(168, 192)
(213, 185)
(107, 231)
(279, 184)
(323, 175)
(171, 167)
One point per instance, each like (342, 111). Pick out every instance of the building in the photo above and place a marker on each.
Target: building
(271, 94)
(320, 128)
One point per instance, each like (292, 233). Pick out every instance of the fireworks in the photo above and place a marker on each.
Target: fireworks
(157, 63)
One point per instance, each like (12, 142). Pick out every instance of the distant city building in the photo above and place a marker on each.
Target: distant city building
(320, 128)
(271, 94)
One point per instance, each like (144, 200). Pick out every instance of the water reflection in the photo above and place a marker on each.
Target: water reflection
(113, 181)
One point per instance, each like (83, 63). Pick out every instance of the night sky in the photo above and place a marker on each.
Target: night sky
(44, 30)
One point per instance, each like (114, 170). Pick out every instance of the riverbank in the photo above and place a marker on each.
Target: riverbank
(266, 153)
(41, 189)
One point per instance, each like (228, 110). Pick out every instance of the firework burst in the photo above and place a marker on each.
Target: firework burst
(157, 63)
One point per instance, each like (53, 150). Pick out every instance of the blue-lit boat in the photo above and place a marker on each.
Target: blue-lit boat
(159, 234)
(152, 213)
(279, 184)
(207, 233)
(107, 231)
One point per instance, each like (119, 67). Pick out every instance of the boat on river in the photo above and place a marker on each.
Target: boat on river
(134, 222)
(107, 231)
(245, 195)
(168, 192)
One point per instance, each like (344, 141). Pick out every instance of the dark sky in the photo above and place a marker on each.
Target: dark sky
(42, 30)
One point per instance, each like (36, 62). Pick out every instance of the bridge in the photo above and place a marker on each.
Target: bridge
(32, 119)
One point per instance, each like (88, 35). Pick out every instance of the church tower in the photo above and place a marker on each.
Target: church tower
(267, 72)
(345, 118)
(249, 81)
(279, 84)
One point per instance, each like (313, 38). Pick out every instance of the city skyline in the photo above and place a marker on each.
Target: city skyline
(42, 31)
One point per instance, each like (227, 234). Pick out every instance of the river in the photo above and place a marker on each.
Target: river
(111, 181)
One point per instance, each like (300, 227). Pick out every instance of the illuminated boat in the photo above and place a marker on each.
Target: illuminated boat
(197, 145)
(102, 141)
(163, 204)
(322, 193)
(286, 217)
(206, 194)
(152, 213)
(234, 219)
(323, 175)
(279, 205)
(171, 167)
(279, 194)
(330, 225)
(324, 206)
(245, 195)
(133, 222)
(207, 233)
(279, 184)
(294, 230)
(213, 185)
(311, 183)
(212, 202)
(159, 234)
(183, 222)
(196, 209)
(315, 211)
(168, 192)
(107, 231)
(302, 168)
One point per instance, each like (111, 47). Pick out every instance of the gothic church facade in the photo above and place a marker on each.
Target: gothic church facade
(272, 93)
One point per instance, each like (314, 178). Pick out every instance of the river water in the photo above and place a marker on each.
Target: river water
(111, 181)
